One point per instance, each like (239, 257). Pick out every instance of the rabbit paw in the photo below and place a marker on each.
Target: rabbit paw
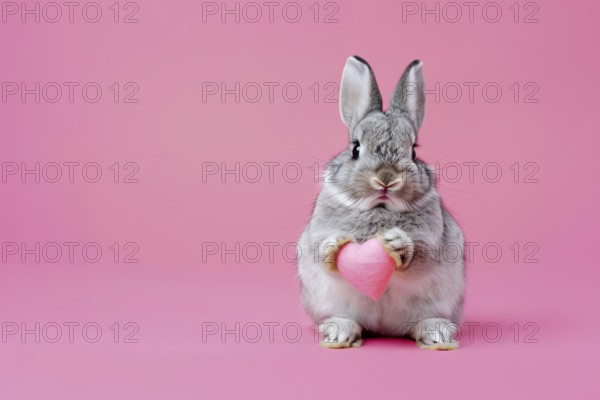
(436, 334)
(399, 246)
(340, 333)
(331, 249)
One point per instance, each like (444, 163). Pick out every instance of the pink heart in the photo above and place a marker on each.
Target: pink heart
(366, 266)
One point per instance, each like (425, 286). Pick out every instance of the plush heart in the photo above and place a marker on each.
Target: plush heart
(366, 266)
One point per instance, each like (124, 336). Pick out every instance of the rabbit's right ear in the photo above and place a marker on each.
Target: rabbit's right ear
(359, 94)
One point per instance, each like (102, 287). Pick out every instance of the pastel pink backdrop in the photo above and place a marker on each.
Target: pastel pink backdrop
(171, 132)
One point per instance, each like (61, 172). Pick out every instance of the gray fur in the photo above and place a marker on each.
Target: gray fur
(430, 285)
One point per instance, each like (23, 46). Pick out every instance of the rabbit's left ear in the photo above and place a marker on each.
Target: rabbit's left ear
(359, 94)
(409, 95)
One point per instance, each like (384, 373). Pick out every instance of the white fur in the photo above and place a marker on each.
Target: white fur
(330, 295)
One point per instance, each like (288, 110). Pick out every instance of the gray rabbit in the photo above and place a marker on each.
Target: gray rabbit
(377, 187)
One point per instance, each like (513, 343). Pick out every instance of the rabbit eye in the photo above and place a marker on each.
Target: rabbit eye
(414, 153)
(355, 150)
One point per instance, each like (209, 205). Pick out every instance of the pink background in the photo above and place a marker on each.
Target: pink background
(170, 132)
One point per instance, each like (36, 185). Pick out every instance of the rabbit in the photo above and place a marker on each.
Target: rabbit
(377, 187)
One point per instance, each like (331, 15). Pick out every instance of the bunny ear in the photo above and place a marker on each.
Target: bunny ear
(359, 94)
(409, 95)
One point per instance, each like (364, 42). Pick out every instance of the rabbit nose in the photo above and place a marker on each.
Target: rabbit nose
(386, 178)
